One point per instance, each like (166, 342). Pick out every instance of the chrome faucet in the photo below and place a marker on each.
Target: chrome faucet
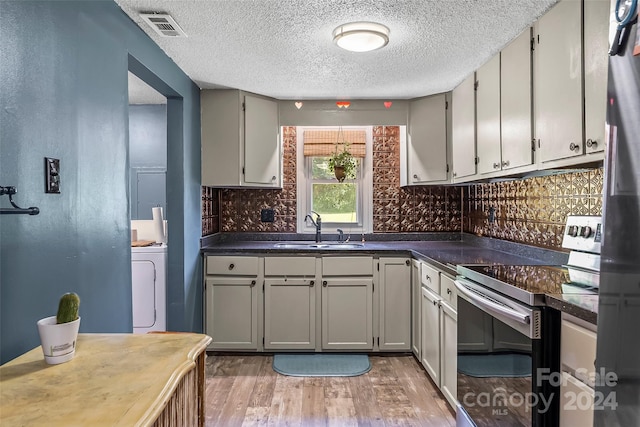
(317, 224)
(340, 235)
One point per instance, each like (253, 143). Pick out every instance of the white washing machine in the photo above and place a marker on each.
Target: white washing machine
(149, 288)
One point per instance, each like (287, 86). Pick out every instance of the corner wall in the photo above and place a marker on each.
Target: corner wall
(63, 79)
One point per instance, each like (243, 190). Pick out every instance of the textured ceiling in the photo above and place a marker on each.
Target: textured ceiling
(284, 48)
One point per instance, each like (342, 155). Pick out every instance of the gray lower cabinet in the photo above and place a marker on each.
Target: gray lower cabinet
(416, 298)
(347, 316)
(289, 314)
(448, 353)
(430, 328)
(395, 304)
(232, 313)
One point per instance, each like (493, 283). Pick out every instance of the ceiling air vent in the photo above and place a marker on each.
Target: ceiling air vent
(163, 24)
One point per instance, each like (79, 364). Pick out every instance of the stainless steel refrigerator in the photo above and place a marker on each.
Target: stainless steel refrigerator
(617, 399)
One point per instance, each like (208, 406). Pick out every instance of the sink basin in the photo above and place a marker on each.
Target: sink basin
(313, 245)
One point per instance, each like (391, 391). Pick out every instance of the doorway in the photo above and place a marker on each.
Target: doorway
(147, 149)
(147, 192)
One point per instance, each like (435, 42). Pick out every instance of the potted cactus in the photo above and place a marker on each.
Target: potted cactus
(58, 334)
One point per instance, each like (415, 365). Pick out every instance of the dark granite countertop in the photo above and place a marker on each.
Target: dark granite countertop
(444, 250)
(582, 306)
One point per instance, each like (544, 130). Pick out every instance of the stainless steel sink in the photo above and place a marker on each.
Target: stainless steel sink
(313, 245)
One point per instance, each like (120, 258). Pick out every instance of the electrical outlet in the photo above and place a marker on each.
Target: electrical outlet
(51, 175)
(267, 215)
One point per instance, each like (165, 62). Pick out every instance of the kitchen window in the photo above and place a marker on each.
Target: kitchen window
(345, 205)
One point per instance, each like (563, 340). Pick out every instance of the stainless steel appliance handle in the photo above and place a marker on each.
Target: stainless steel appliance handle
(511, 314)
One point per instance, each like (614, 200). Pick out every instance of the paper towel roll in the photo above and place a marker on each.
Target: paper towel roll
(158, 224)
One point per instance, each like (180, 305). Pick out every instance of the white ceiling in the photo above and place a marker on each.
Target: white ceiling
(284, 48)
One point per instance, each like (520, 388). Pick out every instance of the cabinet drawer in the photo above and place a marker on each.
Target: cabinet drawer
(577, 349)
(290, 266)
(233, 265)
(347, 266)
(430, 278)
(448, 290)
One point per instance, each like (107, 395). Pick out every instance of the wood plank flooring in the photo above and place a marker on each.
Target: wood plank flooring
(244, 390)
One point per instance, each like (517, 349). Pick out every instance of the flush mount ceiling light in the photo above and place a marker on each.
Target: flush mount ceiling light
(361, 36)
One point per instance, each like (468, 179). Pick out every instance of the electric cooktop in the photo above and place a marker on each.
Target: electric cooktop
(542, 279)
(530, 283)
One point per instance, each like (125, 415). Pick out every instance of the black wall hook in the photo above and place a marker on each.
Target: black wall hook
(10, 191)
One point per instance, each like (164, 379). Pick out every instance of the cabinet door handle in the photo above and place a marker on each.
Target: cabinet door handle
(505, 164)
(407, 262)
(592, 143)
(324, 283)
(448, 291)
(273, 178)
(415, 176)
(435, 302)
(496, 165)
(231, 266)
(574, 147)
(428, 278)
(311, 283)
(253, 283)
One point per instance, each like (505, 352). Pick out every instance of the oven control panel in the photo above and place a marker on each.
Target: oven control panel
(583, 233)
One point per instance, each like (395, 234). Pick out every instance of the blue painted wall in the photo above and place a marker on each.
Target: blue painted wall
(63, 94)
(148, 159)
(148, 136)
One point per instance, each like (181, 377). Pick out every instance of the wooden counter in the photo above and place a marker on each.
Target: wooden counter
(113, 380)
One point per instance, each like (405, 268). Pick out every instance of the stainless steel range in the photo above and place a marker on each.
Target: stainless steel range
(508, 338)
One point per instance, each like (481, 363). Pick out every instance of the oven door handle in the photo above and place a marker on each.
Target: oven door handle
(492, 306)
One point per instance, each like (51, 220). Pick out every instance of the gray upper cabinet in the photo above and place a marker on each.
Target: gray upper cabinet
(515, 103)
(558, 82)
(464, 129)
(240, 140)
(427, 142)
(570, 83)
(488, 116)
(596, 60)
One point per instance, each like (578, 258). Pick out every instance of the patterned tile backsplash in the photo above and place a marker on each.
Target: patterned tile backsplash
(531, 211)
(210, 211)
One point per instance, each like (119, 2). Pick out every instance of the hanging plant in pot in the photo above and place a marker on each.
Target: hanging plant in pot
(58, 334)
(343, 164)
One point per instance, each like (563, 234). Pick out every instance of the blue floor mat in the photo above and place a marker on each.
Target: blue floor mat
(321, 365)
(495, 365)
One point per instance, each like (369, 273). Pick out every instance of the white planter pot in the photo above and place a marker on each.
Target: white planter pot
(58, 340)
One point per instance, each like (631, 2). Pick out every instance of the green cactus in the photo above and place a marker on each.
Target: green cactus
(68, 308)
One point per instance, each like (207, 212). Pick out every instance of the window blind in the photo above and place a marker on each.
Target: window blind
(323, 142)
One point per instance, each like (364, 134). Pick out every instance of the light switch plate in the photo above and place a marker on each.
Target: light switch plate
(51, 175)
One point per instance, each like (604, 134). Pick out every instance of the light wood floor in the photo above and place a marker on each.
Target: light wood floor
(243, 390)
